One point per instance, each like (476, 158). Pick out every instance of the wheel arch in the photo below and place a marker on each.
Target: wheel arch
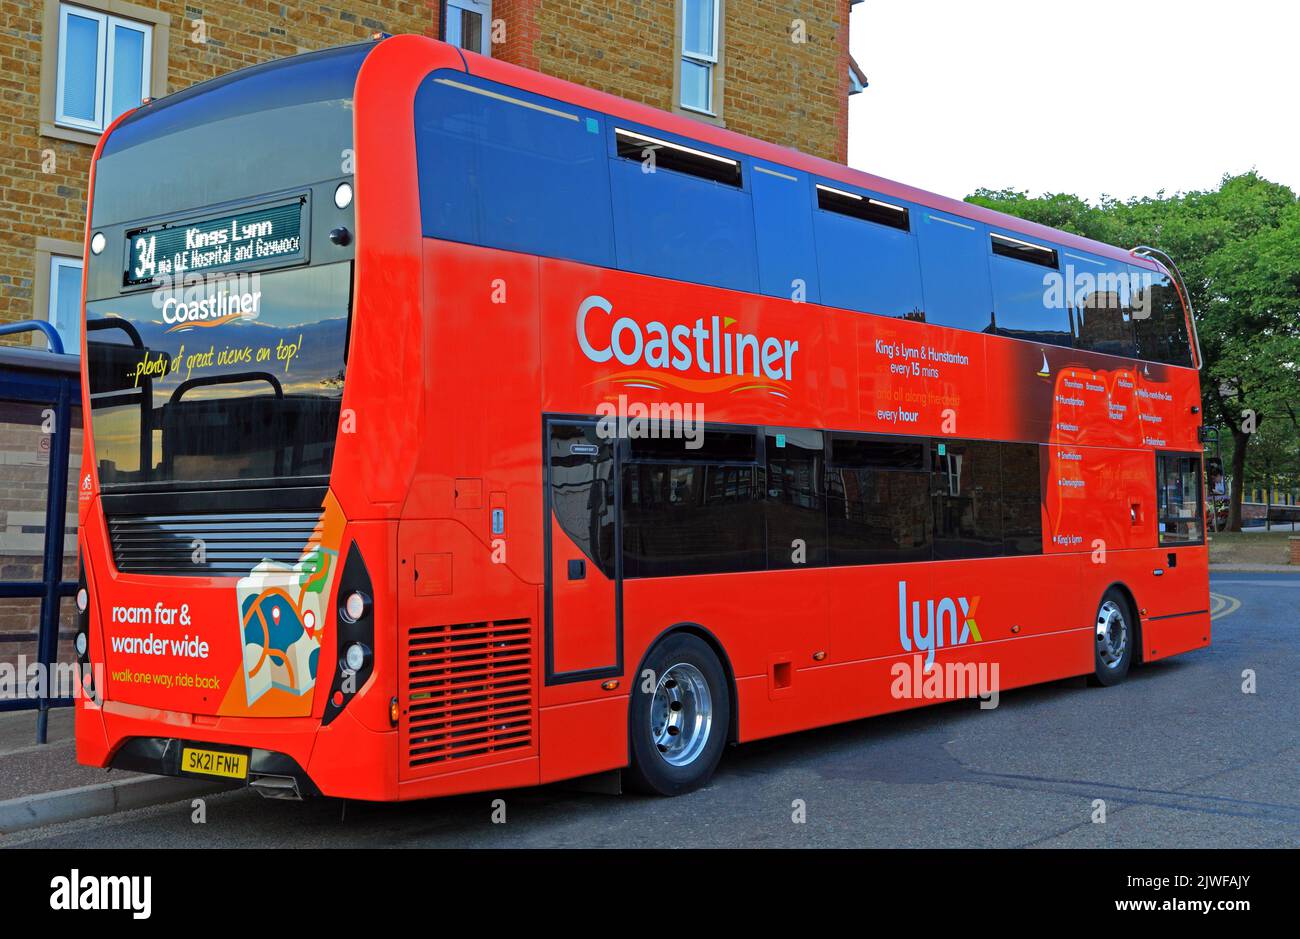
(712, 641)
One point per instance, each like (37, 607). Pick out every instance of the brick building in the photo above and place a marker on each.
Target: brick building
(774, 69)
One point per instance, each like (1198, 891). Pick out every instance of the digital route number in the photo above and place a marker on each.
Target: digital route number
(269, 235)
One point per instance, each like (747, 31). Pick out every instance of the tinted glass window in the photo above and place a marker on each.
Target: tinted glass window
(503, 168)
(787, 250)
(1009, 247)
(796, 509)
(858, 205)
(691, 519)
(1159, 320)
(582, 490)
(1022, 502)
(714, 446)
(828, 499)
(1102, 301)
(967, 500)
(673, 224)
(871, 452)
(1178, 498)
(954, 271)
(868, 266)
(255, 396)
(878, 501)
(657, 154)
(1024, 299)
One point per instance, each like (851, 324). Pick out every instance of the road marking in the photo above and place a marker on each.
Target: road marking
(1222, 605)
(1294, 582)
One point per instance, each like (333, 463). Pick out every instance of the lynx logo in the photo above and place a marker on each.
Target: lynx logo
(76, 892)
(937, 616)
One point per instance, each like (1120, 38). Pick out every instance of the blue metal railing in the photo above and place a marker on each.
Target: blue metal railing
(53, 379)
(51, 334)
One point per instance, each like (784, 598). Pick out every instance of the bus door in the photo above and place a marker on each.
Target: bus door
(1176, 598)
(584, 589)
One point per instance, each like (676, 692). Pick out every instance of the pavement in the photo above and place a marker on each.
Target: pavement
(28, 768)
(1180, 755)
(43, 784)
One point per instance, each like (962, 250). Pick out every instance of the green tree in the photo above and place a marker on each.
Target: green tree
(1238, 249)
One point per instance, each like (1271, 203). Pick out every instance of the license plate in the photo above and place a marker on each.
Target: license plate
(214, 763)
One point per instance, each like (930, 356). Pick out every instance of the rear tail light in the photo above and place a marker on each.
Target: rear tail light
(355, 606)
(354, 634)
(354, 659)
(81, 641)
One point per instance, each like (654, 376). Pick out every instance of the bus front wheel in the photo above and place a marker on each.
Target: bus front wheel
(1114, 637)
(678, 718)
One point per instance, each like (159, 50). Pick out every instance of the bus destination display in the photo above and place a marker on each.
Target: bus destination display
(268, 234)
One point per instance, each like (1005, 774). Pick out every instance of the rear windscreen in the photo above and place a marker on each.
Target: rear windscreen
(232, 379)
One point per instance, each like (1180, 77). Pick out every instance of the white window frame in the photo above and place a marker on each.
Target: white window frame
(484, 9)
(709, 61)
(104, 62)
(71, 340)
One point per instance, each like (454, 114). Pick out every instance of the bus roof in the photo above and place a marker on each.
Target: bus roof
(528, 80)
(173, 110)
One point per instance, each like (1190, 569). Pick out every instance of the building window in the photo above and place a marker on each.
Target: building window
(56, 288)
(468, 24)
(699, 63)
(104, 67)
(64, 310)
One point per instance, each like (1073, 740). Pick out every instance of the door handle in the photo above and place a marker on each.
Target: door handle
(1159, 572)
(578, 570)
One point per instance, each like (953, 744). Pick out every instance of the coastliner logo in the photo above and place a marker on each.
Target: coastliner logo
(938, 616)
(708, 345)
(208, 301)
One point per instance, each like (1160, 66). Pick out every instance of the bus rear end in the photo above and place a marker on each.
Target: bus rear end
(227, 614)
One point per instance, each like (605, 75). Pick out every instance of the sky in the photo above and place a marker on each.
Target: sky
(1118, 97)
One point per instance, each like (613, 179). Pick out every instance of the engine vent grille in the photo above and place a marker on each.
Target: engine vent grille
(222, 545)
(469, 690)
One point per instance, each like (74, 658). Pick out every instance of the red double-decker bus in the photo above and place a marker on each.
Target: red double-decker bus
(452, 427)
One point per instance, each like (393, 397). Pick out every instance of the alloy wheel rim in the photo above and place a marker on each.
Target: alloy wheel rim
(681, 714)
(1112, 634)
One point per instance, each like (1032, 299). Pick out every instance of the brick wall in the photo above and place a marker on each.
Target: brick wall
(794, 94)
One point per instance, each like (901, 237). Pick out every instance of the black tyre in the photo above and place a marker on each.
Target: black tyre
(1114, 638)
(678, 717)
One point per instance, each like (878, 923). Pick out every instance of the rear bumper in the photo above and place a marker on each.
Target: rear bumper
(343, 759)
(161, 756)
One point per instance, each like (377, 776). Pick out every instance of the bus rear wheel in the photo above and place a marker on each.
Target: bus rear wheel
(678, 718)
(1114, 637)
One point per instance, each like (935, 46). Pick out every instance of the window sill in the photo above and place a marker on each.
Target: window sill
(91, 138)
(707, 117)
